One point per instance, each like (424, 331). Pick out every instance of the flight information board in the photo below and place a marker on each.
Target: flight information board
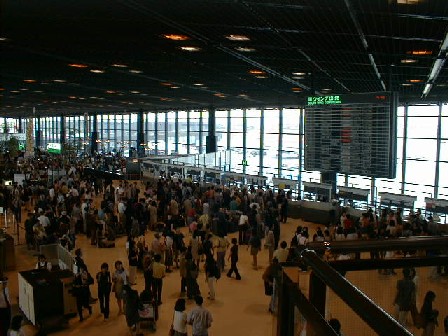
(352, 134)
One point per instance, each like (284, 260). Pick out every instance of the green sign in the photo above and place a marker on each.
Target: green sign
(324, 100)
(54, 148)
(244, 163)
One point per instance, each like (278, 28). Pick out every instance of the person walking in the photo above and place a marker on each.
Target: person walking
(221, 248)
(255, 247)
(405, 298)
(233, 257)
(199, 318)
(133, 261)
(180, 318)
(81, 288)
(104, 281)
(211, 275)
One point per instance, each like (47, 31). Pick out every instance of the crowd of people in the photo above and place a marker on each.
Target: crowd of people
(78, 203)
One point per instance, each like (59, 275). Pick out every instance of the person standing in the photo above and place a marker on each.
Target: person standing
(221, 248)
(5, 307)
(120, 278)
(180, 318)
(211, 270)
(405, 298)
(255, 247)
(133, 261)
(158, 273)
(104, 282)
(199, 318)
(429, 314)
(233, 257)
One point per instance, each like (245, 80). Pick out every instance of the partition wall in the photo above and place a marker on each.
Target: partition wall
(268, 141)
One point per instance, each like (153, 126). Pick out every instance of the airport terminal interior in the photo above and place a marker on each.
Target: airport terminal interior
(331, 113)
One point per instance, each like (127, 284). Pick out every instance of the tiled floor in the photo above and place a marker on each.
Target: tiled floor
(240, 308)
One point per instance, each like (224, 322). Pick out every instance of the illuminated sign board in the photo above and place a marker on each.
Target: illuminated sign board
(54, 148)
(324, 100)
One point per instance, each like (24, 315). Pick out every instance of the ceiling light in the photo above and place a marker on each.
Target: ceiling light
(245, 49)
(175, 87)
(420, 52)
(97, 71)
(76, 65)
(72, 97)
(117, 65)
(220, 95)
(15, 91)
(198, 84)
(299, 73)
(233, 37)
(38, 91)
(442, 85)
(2, 39)
(23, 89)
(93, 97)
(415, 80)
(165, 99)
(261, 76)
(298, 77)
(256, 72)
(243, 95)
(59, 80)
(135, 71)
(326, 90)
(190, 48)
(2, 89)
(297, 89)
(409, 2)
(176, 37)
(111, 91)
(406, 84)
(135, 92)
(29, 80)
(166, 84)
(408, 60)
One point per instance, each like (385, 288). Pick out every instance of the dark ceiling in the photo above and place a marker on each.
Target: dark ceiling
(340, 46)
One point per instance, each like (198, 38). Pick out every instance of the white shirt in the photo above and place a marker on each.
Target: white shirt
(39, 263)
(243, 220)
(121, 208)
(180, 322)
(44, 221)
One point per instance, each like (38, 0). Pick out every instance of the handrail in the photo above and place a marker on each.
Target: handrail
(409, 243)
(378, 319)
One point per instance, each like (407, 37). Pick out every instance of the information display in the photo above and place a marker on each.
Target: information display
(54, 148)
(352, 134)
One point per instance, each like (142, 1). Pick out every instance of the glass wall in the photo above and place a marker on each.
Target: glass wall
(269, 142)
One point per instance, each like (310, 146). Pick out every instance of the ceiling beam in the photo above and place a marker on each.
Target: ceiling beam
(436, 67)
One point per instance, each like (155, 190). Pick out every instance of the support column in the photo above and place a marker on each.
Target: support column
(210, 144)
(403, 156)
(188, 132)
(280, 142)
(94, 136)
(19, 126)
(439, 139)
(176, 132)
(301, 143)
(261, 151)
(166, 134)
(156, 131)
(62, 134)
(37, 134)
(244, 142)
(140, 135)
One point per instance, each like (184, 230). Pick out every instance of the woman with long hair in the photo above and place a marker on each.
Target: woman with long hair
(429, 314)
(180, 318)
(119, 279)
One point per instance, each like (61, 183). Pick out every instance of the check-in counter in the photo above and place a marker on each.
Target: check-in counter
(319, 212)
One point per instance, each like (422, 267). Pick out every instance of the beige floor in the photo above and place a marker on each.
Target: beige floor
(240, 308)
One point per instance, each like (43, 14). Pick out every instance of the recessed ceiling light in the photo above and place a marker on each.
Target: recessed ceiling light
(2, 89)
(420, 52)
(220, 95)
(256, 72)
(176, 37)
(408, 60)
(135, 71)
(59, 80)
(165, 99)
(406, 84)
(15, 91)
(245, 49)
(29, 80)
(81, 98)
(261, 76)
(198, 84)
(175, 87)
(166, 84)
(135, 92)
(297, 89)
(97, 71)
(38, 91)
(243, 95)
(190, 48)
(72, 97)
(78, 65)
(415, 80)
(299, 73)
(117, 65)
(23, 89)
(326, 90)
(234, 37)
(111, 91)
(3, 39)
(298, 77)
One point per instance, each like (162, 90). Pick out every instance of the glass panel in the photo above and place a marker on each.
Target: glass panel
(422, 127)
(171, 132)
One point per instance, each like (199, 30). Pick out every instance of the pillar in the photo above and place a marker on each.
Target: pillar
(210, 141)
(94, 136)
(63, 130)
(37, 134)
(140, 135)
